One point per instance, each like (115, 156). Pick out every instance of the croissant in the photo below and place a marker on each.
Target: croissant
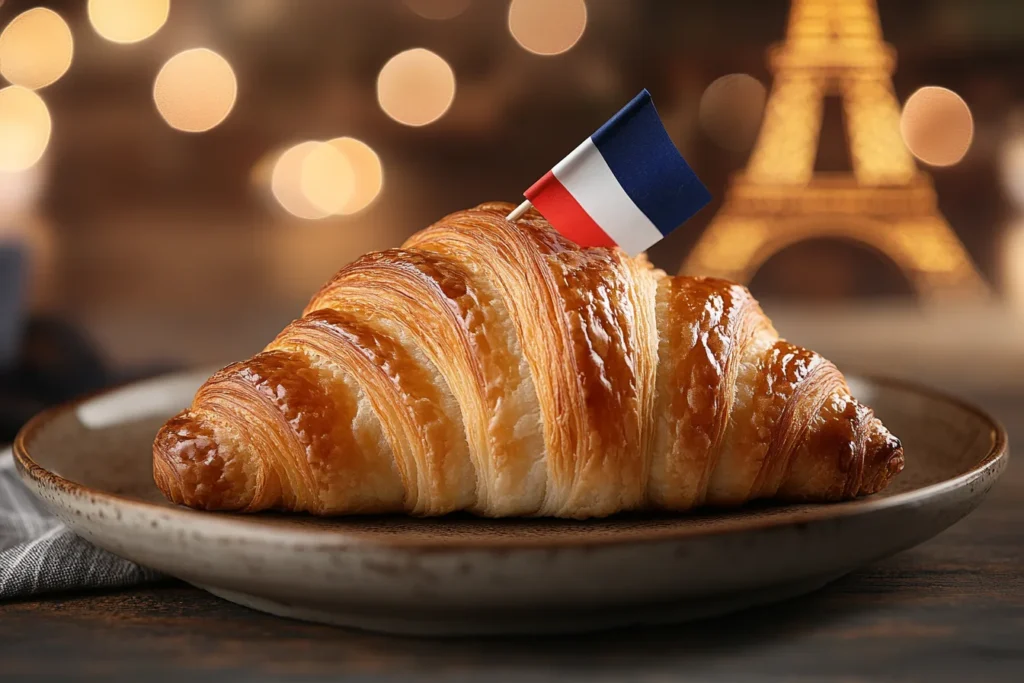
(498, 368)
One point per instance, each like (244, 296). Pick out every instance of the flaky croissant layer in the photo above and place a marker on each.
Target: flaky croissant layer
(498, 368)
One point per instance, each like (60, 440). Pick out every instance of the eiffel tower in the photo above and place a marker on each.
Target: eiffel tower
(886, 203)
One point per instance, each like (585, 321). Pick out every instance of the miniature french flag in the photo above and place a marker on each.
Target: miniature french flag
(627, 185)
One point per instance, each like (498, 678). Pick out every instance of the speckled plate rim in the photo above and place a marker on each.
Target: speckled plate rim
(231, 525)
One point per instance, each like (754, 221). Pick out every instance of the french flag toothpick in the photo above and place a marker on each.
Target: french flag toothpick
(627, 185)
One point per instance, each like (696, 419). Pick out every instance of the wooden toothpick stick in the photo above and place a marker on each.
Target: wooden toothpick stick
(518, 212)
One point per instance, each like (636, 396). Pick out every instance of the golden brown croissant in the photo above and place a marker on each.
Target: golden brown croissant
(498, 368)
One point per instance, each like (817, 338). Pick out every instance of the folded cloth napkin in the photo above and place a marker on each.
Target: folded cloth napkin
(38, 554)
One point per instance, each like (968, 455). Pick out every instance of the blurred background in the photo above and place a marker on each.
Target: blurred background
(177, 177)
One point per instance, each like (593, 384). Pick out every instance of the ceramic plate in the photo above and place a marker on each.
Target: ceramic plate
(90, 462)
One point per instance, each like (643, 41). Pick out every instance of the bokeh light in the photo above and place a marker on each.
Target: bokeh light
(195, 90)
(731, 109)
(1011, 162)
(24, 128)
(315, 179)
(326, 178)
(367, 173)
(286, 181)
(438, 10)
(36, 48)
(937, 126)
(127, 21)
(547, 27)
(416, 87)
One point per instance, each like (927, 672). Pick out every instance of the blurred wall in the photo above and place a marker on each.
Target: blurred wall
(169, 245)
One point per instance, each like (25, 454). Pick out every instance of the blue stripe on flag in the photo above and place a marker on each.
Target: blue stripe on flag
(647, 164)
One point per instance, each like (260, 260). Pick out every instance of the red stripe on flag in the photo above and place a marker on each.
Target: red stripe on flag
(565, 214)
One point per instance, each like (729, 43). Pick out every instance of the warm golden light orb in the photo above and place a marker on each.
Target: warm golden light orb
(1011, 164)
(286, 182)
(416, 87)
(195, 90)
(326, 178)
(367, 173)
(937, 126)
(127, 21)
(36, 48)
(547, 27)
(24, 128)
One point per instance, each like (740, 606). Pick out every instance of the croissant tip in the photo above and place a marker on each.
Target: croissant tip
(885, 459)
(896, 460)
(190, 469)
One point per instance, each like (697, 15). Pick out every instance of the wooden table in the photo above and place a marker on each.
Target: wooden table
(951, 609)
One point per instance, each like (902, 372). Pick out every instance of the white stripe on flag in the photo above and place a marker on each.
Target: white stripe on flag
(589, 179)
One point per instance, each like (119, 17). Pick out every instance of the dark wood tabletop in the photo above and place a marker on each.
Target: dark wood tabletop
(951, 609)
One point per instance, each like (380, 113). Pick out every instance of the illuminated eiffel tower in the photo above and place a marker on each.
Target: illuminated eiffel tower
(834, 47)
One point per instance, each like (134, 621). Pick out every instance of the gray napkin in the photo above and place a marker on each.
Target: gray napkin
(38, 554)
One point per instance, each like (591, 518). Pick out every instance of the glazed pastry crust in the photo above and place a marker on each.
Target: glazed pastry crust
(500, 369)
